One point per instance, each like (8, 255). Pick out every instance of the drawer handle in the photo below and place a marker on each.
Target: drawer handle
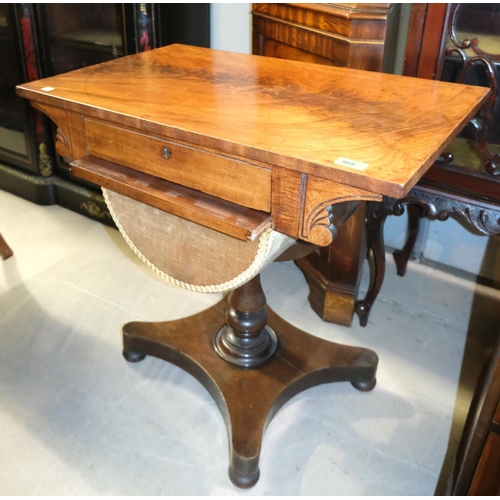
(166, 153)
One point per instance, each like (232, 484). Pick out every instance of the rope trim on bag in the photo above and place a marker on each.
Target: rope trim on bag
(242, 278)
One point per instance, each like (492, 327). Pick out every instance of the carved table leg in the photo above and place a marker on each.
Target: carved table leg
(421, 201)
(401, 257)
(376, 214)
(5, 250)
(217, 344)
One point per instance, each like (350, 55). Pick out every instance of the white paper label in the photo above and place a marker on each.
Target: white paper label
(347, 162)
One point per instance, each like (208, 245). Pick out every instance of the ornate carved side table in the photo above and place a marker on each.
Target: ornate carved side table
(213, 164)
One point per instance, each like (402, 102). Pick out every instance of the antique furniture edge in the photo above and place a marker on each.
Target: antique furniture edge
(64, 112)
(229, 218)
(349, 11)
(249, 153)
(407, 187)
(325, 34)
(300, 203)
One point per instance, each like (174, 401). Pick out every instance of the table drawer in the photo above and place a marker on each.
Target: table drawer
(229, 218)
(227, 178)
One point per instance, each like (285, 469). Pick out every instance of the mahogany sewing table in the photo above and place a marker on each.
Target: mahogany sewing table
(245, 146)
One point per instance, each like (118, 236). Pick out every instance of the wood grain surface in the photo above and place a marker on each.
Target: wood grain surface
(228, 218)
(214, 174)
(277, 112)
(344, 35)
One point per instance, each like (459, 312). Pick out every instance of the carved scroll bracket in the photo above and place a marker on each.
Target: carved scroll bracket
(62, 143)
(70, 135)
(310, 208)
(321, 225)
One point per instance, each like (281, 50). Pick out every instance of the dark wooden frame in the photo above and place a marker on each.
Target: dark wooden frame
(478, 456)
(22, 31)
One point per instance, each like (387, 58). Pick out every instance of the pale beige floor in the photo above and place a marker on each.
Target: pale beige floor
(75, 418)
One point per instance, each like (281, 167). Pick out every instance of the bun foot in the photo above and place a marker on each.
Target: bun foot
(244, 482)
(362, 309)
(365, 386)
(133, 356)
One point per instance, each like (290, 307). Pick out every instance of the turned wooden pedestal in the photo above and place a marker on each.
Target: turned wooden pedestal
(231, 349)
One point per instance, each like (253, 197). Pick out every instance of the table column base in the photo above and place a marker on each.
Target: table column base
(248, 398)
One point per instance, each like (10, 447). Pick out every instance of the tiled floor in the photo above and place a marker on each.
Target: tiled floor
(75, 418)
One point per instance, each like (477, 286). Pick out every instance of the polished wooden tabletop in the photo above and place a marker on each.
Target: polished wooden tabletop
(300, 116)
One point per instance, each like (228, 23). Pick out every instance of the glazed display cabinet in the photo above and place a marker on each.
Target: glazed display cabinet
(41, 40)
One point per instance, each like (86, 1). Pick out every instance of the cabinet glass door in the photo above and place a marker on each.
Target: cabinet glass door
(79, 35)
(472, 55)
(12, 134)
